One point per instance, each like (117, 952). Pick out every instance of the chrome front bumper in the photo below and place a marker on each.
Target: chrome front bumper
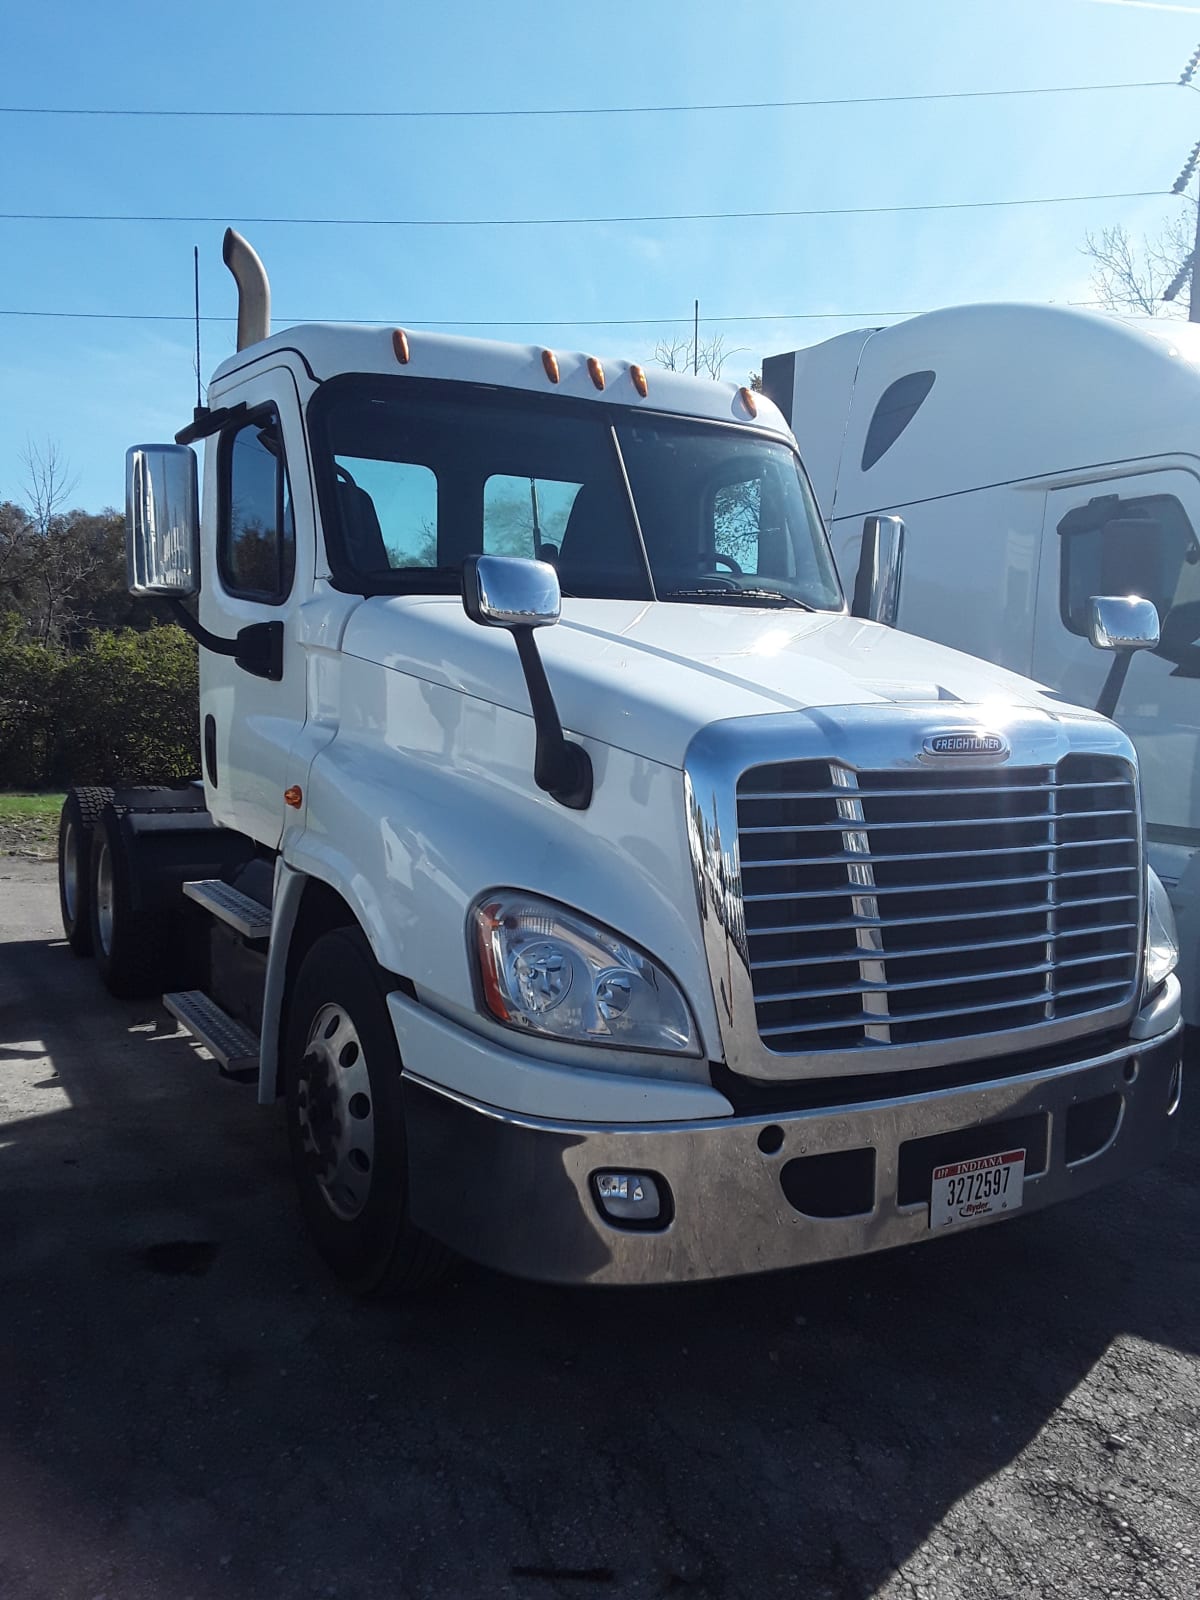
(515, 1192)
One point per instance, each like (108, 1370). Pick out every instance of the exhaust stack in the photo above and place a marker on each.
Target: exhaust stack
(254, 289)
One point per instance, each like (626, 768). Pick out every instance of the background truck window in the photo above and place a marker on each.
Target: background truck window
(1114, 545)
(256, 537)
(898, 405)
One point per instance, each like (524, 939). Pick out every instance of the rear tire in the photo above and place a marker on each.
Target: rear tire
(345, 1117)
(134, 948)
(80, 813)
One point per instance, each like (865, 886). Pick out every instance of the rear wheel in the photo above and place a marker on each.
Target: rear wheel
(345, 1120)
(80, 813)
(133, 945)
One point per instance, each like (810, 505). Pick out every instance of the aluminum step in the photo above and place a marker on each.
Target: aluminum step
(230, 905)
(230, 1041)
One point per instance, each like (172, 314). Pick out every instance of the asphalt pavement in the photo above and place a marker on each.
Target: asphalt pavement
(190, 1408)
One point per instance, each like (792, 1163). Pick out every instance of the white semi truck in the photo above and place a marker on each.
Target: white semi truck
(1037, 454)
(804, 939)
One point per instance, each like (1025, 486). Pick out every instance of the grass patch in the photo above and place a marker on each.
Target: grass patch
(30, 805)
(29, 825)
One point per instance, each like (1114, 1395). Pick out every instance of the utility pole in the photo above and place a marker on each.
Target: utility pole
(1190, 268)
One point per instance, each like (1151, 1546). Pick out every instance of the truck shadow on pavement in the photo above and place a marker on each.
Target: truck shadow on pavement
(188, 1407)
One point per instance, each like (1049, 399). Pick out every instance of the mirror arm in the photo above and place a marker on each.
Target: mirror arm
(1106, 705)
(206, 422)
(257, 649)
(562, 769)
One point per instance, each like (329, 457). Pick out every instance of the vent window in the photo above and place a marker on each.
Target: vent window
(898, 405)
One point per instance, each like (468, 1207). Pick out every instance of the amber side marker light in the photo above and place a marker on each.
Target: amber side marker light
(400, 346)
(550, 362)
(746, 396)
(596, 372)
(639, 381)
(294, 796)
(486, 925)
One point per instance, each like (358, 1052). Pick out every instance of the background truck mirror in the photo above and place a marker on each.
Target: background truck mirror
(880, 566)
(1121, 623)
(162, 524)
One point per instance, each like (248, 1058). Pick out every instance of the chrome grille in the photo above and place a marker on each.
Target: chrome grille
(899, 907)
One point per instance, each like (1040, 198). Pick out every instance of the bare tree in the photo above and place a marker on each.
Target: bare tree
(680, 354)
(1133, 276)
(48, 483)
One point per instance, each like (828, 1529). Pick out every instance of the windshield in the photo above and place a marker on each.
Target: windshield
(414, 476)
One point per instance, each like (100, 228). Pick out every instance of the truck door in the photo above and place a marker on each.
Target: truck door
(1132, 535)
(257, 564)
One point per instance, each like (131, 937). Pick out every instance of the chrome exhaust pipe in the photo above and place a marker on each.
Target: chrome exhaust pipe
(254, 289)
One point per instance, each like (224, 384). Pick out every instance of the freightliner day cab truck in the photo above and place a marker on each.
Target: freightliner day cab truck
(1038, 455)
(712, 930)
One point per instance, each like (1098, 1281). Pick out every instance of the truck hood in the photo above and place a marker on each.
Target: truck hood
(646, 677)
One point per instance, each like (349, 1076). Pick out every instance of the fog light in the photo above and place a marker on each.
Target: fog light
(628, 1196)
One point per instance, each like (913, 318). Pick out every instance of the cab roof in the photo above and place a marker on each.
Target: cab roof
(327, 349)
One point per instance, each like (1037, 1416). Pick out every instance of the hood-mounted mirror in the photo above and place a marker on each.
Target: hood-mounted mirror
(520, 595)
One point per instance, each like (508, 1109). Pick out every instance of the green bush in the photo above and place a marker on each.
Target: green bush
(121, 710)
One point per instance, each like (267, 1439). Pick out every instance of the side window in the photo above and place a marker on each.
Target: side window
(898, 405)
(389, 513)
(524, 516)
(256, 531)
(1144, 546)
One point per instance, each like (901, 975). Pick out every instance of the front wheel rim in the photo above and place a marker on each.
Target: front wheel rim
(336, 1110)
(104, 898)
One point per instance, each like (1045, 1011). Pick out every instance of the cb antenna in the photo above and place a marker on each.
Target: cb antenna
(196, 288)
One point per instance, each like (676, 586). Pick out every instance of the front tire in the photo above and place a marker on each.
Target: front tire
(80, 814)
(345, 1117)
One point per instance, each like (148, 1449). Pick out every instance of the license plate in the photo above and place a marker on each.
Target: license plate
(964, 1191)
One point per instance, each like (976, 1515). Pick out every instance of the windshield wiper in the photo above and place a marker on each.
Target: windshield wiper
(737, 596)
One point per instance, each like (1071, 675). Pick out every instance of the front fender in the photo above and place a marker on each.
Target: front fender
(425, 799)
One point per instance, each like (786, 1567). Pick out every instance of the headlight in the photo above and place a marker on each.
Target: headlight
(551, 972)
(1162, 941)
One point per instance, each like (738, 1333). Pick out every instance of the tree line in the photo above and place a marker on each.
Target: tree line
(95, 687)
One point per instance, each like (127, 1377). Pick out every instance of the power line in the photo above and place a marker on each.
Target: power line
(574, 111)
(571, 222)
(460, 322)
(489, 322)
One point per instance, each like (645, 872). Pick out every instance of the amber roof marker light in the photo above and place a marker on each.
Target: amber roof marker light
(294, 796)
(595, 372)
(550, 362)
(746, 396)
(400, 346)
(639, 381)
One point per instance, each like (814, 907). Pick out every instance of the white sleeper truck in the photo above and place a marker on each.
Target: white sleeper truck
(713, 930)
(1038, 455)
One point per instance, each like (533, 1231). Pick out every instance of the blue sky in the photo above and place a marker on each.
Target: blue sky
(94, 387)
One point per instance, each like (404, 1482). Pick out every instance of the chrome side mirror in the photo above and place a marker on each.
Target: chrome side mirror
(162, 522)
(880, 567)
(511, 592)
(1122, 623)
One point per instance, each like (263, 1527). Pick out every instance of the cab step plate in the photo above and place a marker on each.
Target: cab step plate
(230, 1041)
(230, 905)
